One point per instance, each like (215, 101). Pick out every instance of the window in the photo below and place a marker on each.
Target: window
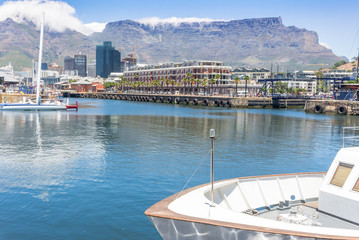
(341, 174)
(356, 186)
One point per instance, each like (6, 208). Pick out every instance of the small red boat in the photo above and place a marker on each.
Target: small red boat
(73, 106)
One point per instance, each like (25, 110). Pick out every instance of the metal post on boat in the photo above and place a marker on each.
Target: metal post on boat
(212, 135)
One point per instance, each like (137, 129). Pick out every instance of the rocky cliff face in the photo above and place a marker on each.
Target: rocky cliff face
(250, 42)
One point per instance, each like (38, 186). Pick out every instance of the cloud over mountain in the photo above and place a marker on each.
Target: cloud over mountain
(154, 21)
(59, 15)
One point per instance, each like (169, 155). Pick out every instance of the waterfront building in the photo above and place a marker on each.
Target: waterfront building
(252, 73)
(80, 64)
(108, 60)
(86, 85)
(76, 65)
(178, 71)
(128, 62)
(91, 69)
(44, 66)
(49, 77)
(69, 64)
(7, 76)
(304, 80)
(338, 73)
(55, 67)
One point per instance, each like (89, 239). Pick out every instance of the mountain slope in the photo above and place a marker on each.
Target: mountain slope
(19, 44)
(254, 42)
(249, 42)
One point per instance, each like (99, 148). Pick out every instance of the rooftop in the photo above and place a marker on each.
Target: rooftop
(178, 65)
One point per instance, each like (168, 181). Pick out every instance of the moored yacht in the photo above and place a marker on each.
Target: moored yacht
(38, 104)
(285, 206)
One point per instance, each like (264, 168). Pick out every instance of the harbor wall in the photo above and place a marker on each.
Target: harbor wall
(341, 107)
(216, 101)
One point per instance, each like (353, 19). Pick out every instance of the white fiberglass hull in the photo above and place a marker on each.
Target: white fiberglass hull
(170, 229)
(239, 207)
(33, 107)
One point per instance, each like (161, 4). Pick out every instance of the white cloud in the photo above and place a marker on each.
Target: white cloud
(325, 45)
(153, 21)
(96, 26)
(59, 15)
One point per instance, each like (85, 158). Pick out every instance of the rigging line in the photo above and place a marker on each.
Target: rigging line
(353, 42)
(204, 158)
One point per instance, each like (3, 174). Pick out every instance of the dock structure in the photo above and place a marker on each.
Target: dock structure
(341, 107)
(214, 101)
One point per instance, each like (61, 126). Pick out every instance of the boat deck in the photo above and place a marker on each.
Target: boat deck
(307, 214)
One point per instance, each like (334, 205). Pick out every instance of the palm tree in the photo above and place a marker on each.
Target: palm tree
(162, 81)
(167, 81)
(217, 77)
(192, 82)
(212, 81)
(173, 83)
(236, 81)
(245, 87)
(185, 80)
(178, 85)
(189, 77)
(198, 81)
(319, 82)
(204, 84)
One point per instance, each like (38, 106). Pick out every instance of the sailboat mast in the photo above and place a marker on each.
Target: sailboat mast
(40, 60)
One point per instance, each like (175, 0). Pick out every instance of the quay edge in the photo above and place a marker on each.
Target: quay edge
(216, 101)
(341, 107)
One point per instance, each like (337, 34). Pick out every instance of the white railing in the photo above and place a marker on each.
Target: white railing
(350, 134)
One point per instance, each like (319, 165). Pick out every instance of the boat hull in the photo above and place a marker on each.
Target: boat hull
(170, 229)
(33, 107)
(191, 215)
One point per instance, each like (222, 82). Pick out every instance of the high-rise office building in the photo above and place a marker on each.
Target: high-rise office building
(69, 64)
(76, 64)
(81, 64)
(108, 60)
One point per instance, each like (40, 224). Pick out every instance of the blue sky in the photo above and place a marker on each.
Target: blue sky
(336, 22)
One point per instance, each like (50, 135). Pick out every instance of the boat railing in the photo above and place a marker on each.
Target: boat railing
(350, 136)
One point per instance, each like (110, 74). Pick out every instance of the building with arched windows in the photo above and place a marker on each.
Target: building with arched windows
(178, 71)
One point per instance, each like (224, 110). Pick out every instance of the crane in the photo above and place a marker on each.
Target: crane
(320, 64)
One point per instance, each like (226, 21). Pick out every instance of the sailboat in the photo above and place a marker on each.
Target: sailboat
(38, 105)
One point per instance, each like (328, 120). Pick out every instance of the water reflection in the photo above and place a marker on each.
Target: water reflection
(41, 149)
(91, 173)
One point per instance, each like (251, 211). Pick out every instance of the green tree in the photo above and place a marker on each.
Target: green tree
(204, 84)
(185, 80)
(198, 82)
(236, 81)
(212, 82)
(338, 64)
(245, 87)
(162, 80)
(319, 75)
(173, 83)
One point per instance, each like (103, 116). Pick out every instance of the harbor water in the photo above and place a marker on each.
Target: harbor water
(91, 174)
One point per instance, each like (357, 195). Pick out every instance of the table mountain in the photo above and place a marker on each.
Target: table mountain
(249, 42)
